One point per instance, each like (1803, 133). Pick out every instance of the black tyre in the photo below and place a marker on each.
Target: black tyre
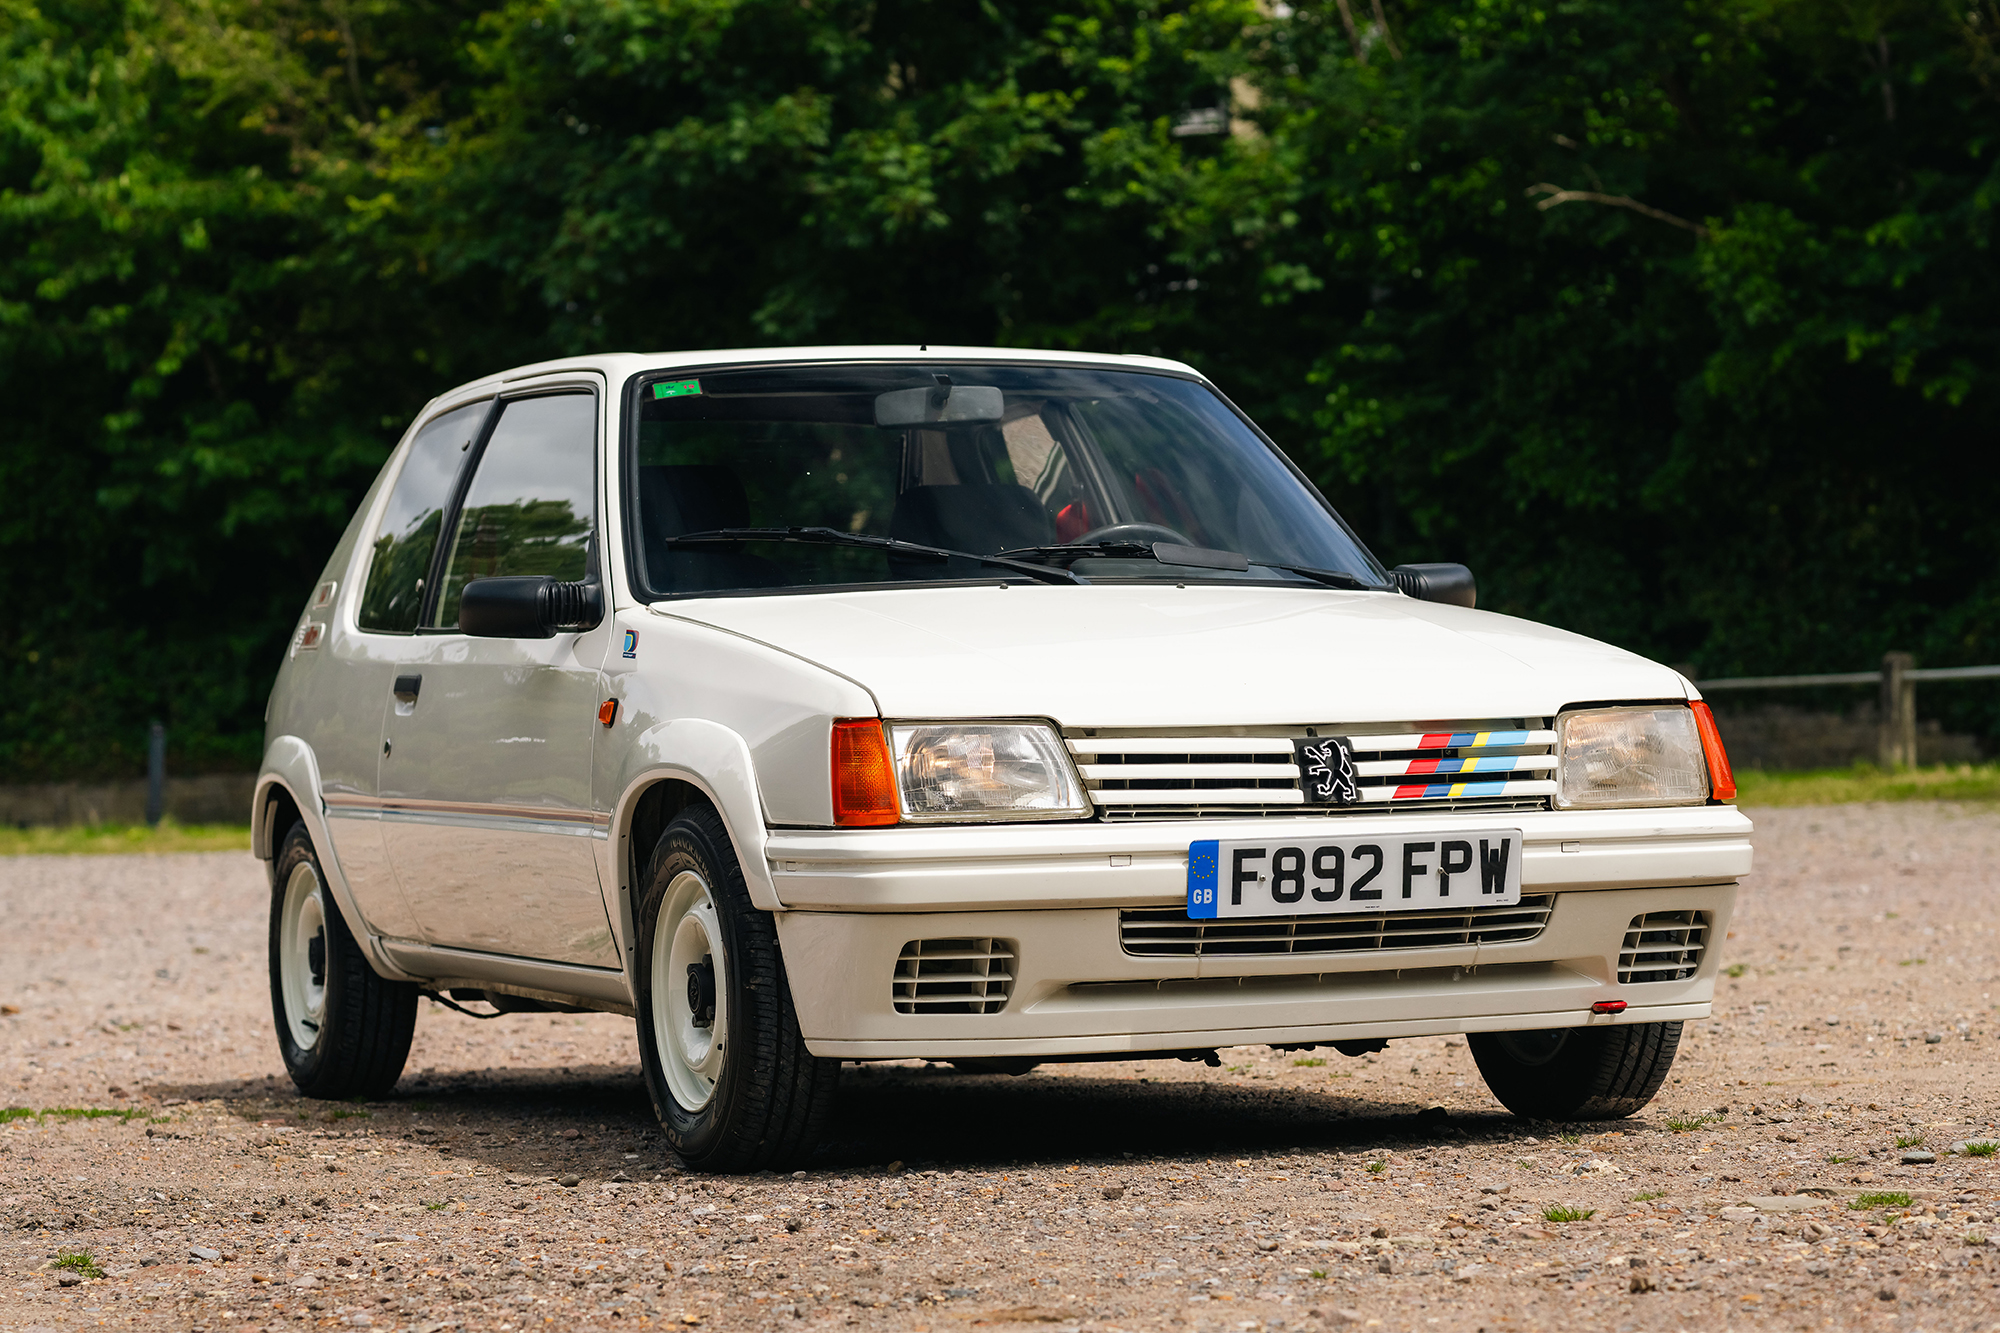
(1597, 1073)
(729, 1073)
(343, 1030)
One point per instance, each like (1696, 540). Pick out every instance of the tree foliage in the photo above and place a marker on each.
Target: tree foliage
(1678, 323)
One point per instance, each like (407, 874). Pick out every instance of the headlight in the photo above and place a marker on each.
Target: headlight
(984, 770)
(1630, 756)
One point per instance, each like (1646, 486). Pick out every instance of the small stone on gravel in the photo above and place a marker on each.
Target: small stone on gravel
(1918, 1157)
(569, 1182)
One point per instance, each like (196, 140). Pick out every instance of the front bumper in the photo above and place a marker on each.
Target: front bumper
(855, 898)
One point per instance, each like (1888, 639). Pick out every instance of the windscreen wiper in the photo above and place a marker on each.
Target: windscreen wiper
(835, 537)
(1170, 553)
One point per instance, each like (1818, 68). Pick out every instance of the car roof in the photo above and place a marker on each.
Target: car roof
(617, 366)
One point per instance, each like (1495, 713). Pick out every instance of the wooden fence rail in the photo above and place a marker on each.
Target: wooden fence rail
(1898, 678)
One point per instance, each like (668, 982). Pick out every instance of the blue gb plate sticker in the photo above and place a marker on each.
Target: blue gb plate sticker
(1204, 859)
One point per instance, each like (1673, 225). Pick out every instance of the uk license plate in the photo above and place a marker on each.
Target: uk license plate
(1329, 876)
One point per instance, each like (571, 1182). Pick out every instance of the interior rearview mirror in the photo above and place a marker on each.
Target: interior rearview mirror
(943, 404)
(1451, 584)
(527, 606)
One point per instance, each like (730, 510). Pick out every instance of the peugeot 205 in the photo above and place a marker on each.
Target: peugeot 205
(965, 705)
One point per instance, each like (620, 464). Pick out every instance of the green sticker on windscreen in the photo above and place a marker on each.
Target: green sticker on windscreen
(678, 389)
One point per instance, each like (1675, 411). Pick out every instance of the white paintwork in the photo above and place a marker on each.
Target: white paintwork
(973, 868)
(1200, 656)
(734, 697)
(1076, 991)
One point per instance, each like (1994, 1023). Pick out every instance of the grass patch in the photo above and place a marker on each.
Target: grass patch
(11, 1113)
(1562, 1212)
(1909, 1140)
(1688, 1124)
(1310, 1062)
(1377, 1168)
(1571, 1139)
(1838, 1161)
(1319, 1273)
(1735, 969)
(350, 1113)
(1647, 1196)
(78, 1262)
(110, 839)
(1890, 1199)
(1985, 1148)
(1865, 782)
(437, 1207)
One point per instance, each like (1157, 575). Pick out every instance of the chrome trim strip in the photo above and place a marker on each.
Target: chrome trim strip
(469, 814)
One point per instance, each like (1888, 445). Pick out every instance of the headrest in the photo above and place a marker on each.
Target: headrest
(982, 519)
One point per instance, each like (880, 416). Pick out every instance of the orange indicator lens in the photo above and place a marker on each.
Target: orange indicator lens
(1721, 782)
(864, 781)
(607, 711)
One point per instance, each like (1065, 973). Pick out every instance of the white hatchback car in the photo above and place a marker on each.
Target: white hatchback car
(958, 704)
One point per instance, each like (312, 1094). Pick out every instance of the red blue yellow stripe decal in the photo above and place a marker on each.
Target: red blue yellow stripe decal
(1458, 740)
(1454, 790)
(1503, 764)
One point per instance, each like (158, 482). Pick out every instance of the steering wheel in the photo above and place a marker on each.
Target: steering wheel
(1143, 533)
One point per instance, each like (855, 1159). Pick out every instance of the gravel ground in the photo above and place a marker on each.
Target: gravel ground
(517, 1182)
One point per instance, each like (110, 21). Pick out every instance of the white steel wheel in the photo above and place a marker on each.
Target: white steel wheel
(302, 954)
(690, 985)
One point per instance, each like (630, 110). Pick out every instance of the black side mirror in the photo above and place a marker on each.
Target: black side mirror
(1450, 584)
(528, 606)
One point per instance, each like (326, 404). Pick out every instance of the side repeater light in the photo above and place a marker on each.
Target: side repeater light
(864, 780)
(1608, 1007)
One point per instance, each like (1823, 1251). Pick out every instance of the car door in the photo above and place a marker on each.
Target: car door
(348, 739)
(485, 772)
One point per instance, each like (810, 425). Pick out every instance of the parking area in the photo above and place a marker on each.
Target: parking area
(1818, 1157)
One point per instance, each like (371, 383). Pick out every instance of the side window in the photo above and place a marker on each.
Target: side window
(408, 536)
(531, 507)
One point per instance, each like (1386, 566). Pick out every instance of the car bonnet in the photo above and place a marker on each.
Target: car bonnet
(1194, 656)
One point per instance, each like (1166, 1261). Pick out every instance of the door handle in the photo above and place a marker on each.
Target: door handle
(407, 688)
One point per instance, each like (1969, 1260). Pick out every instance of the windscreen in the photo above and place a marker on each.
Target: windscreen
(1082, 468)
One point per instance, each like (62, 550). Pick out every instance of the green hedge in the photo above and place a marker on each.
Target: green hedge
(1678, 323)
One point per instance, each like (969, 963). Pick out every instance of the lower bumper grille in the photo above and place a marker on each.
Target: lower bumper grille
(966, 976)
(1166, 932)
(1663, 946)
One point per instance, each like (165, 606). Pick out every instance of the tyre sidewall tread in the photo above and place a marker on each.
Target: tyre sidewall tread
(1604, 1073)
(770, 1105)
(369, 1020)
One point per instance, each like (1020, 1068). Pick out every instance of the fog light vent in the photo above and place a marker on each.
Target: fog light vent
(1663, 946)
(953, 977)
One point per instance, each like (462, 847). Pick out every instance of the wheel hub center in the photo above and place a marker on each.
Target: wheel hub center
(701, 992)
